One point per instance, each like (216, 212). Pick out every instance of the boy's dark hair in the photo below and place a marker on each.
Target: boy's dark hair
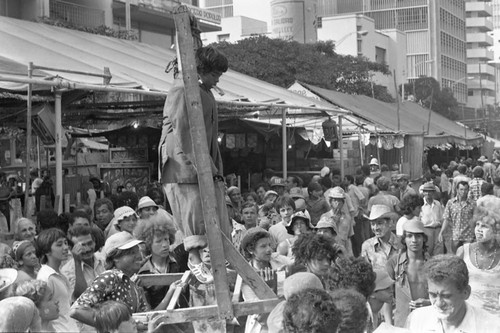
(110, 314)
(283, 201)
(265, 186)
(486, 188)
(353, 310)
(360, 179)
(312, 311)
(79, 230)
(314, 246)
(349, 178)
(209, 59)
(462, 169)
(248, 204)
(78, 214)
(410, 202)
(352, 273)
(44, 241)
(46, 219)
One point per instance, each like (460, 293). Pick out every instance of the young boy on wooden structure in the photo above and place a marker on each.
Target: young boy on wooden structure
(180, 174)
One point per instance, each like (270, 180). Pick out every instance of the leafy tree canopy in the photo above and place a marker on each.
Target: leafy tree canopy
(282, 62)
(426, 91)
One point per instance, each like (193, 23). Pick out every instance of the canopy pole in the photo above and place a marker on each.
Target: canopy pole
(58, 124)
(341, 149)
(28, 142)
(38, 155)
(284, 142)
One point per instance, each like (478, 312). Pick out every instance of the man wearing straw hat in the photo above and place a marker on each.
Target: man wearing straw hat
(378, 249)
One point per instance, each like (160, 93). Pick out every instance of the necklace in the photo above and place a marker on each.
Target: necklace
(485, 256)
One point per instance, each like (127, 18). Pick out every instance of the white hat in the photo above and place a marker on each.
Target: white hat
(324, 172)
(270, 192)
(145, 202)
(483, 159)
(380, 212)
(122, 241)
(123, 212)
(374, 161)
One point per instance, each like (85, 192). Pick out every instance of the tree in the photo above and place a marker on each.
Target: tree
(282, 62)
(426, 91)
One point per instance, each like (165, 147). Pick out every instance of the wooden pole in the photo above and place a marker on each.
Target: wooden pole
(28, 142)
(58, 124)
(397, 100)
(341, 149)
(202, 159)
(284, 142)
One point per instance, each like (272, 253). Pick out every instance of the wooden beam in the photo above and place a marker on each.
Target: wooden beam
(209, 312)
(206, 186)
(148, 280)
(173, 301)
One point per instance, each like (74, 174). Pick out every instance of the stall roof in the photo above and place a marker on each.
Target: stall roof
(413, 118)
(132, 64)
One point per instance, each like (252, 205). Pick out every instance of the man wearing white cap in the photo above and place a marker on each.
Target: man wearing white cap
(340, 216)
(431, 216)
(147, 207)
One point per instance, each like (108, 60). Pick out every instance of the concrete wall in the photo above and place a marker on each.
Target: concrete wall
(235, 28)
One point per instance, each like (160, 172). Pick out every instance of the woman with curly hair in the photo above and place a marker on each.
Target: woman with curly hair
(157, 233)
(411, 206)
(483, 256)
(316, 253)
(311, 311)
(39, 293)
(353, 310)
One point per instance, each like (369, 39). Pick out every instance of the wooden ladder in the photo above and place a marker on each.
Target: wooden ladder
(221, 248)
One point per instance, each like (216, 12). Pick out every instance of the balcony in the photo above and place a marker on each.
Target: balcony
(484, 84)
(482, 54)
(482, 23)
(480, 38)
(76, 14)
(481, 8)
(159, 13)
(485, 69)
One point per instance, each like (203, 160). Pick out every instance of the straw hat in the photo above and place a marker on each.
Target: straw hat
(381, 212)
(300, 281)
(414, 226)
(374, 161)
(403, 176)
(428, 187)
(326, 222)
(123, 212)
(483, 159)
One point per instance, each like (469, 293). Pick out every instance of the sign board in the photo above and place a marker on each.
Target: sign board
(168, 7)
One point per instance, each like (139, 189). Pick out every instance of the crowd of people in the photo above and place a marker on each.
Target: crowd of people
(366, 253)
(369, 252)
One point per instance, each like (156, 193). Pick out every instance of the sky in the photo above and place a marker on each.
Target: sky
(256, 9)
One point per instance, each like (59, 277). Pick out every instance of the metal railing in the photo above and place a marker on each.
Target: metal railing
(76, 14)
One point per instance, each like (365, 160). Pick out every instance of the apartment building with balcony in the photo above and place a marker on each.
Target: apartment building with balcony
(435, 34)
(480, 55)
(150, 20)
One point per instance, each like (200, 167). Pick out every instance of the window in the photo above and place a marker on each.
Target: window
(223, 37)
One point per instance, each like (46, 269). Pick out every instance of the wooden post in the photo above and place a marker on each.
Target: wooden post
(28, 143)
(220, 246)
(58, 124)
(202, 158)
(284, 142)
(341, 148)
(67, 202)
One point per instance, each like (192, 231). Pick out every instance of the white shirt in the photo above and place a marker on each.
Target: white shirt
(475, 320)
(431, 215)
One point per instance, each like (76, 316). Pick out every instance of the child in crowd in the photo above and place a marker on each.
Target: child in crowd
(286, 207)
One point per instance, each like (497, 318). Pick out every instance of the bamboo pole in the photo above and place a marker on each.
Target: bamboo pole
(28, 142)
(58, 124)
(341, 149)
(284, 143)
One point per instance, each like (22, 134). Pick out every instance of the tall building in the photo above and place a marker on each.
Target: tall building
(480, 55)
(435, 31)
(223, 7)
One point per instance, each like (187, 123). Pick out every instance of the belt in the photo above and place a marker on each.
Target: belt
(436, 227)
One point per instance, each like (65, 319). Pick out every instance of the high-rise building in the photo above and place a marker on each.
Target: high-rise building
(480, 55)
(223, 7)
(435, 30)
